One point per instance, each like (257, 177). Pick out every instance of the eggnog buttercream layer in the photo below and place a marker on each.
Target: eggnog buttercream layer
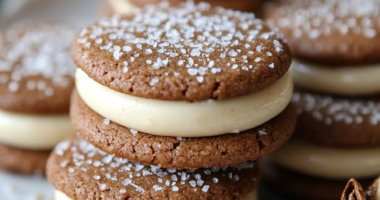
(121, 6)
(61, 196)
(328, 162)
(35, 132)
(353, 80)
(184, 119)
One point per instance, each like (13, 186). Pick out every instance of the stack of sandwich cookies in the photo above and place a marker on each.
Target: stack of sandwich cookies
(126, 6)
(337, 66)
(182, 100)
(36, 79)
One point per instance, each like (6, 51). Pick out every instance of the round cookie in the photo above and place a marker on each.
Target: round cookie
(191, 53)
(23, 161)
(337, 122)
(36, 72)
(301, 186)
(329, 31)
(81, 171)
(181, 153)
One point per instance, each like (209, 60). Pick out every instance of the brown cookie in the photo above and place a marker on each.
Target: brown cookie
(243, 5)
(337, 122)
(81, 171)
(36, 72)
(189, 53)
(329, 31)
(181, 153)
(299, 186)
(18, 160)
(353, 191)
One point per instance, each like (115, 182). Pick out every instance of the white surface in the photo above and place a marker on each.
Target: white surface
(23, 187)
(76, 12)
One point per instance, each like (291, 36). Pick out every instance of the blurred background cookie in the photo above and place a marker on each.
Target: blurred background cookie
(336, 68)
(36, 79)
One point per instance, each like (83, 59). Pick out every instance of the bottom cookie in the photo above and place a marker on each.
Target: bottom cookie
(299, 186)
(18, 160)
(80, 171)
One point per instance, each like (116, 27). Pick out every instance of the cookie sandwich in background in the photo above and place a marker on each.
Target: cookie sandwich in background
(183, 100)
(36, 80)
(335, 69)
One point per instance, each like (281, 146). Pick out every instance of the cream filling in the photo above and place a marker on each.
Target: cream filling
(35, 132)
(328, 162)
(61, 196)
(58, 195)
(360, 80)
(183, 119)
(378, 190)
(121, 6)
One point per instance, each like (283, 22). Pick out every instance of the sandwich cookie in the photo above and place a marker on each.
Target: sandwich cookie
(78, 170)
(125, 6)
(301, 186)
(178, 152)
(336, 65)
(336, 44)
(36, 79)
(167, 73)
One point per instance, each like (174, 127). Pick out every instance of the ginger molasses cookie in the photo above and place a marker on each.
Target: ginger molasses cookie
(189, 71)
(178, 152)
(192, 53)
(36, 79)
(36, 72)
(23, 161)
(336, 121)
(335, 44)
(329, 31)
(80, 171)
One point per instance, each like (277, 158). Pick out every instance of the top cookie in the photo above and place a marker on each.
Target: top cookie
(36, 71)
(193, 52)
(330, 31)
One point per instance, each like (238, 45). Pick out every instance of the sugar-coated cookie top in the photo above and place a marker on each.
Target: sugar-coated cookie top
(36, 71)
(192, 52)
(331, 31)
(104, 176)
